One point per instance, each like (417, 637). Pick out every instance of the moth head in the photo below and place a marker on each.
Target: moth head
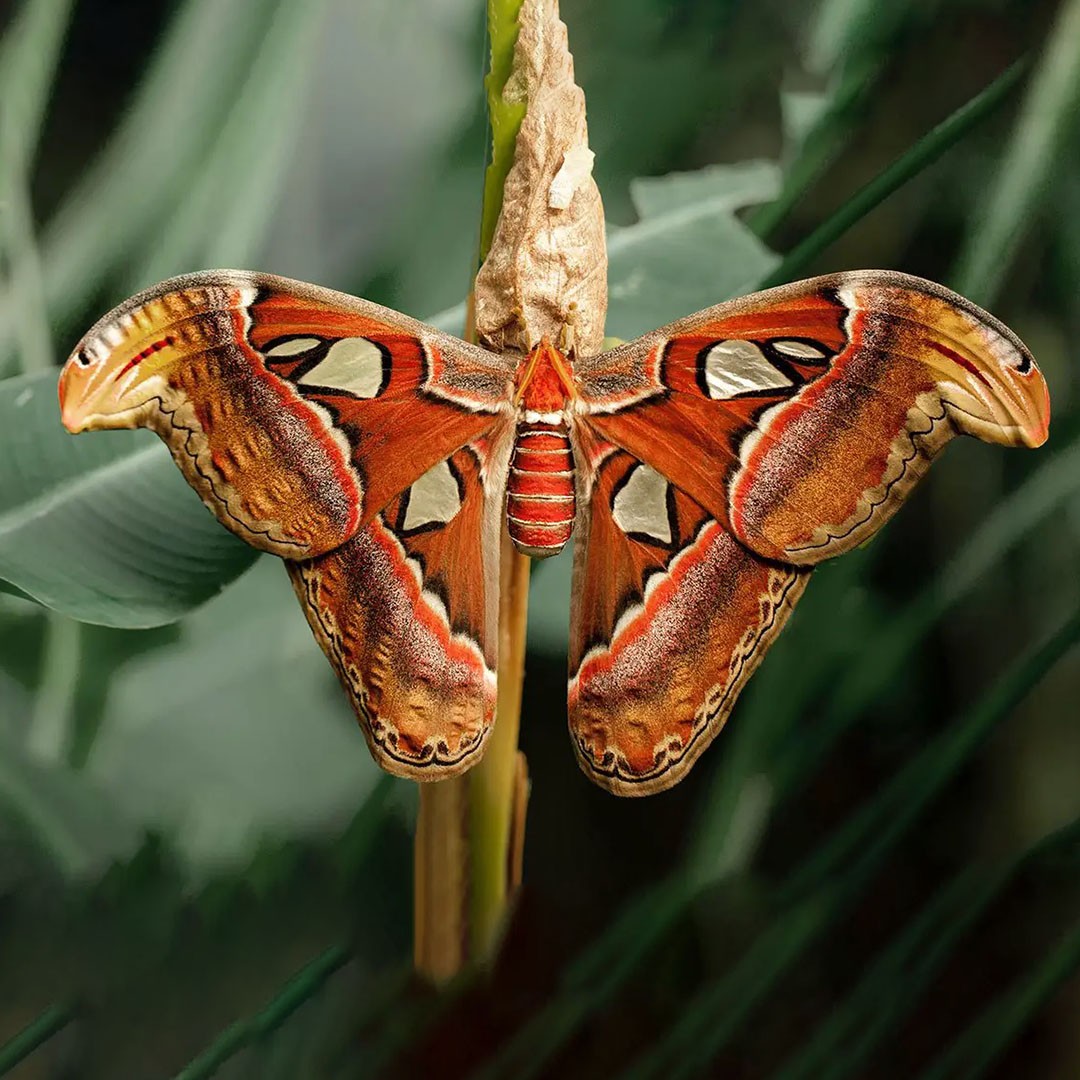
(116, 374)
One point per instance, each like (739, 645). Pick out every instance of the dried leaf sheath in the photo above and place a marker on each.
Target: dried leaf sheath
(546, 272)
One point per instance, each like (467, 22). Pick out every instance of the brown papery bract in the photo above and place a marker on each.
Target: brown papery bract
(546, 273)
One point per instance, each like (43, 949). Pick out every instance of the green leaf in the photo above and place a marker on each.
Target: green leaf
(820, 891)
(892, 984)
(911, 163)
(976, 1049)
(146, 166)
(28, 54)
(230, 725)
(1047, 117)
(102, 528)
(225, 211)
(894, 643)
(689, 250)
(72, 821)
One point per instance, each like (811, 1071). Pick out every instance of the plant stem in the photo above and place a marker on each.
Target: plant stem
(496, 805)
(469, 829)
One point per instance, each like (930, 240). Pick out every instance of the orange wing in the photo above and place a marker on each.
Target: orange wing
(407, 612)
(722, 457)
(295, 412)
(671, 615)
(801, 417)
(368, 450)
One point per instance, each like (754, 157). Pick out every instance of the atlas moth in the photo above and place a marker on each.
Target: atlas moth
(703, 470)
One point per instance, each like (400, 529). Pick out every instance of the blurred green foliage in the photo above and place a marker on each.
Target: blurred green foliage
(875, 870)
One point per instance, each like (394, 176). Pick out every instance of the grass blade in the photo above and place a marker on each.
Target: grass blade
(912, 162)
(149, 161)
(893, 645)
(223, 215)
(28, 57)
(301, 988)
(1047, 115)
(825, 886)
(884, 996)
(37, 1033)
(976, 1050)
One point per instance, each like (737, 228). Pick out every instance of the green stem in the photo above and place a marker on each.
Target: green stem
(35, 1034)
(52, 722)
(469, 829)
(912, 162)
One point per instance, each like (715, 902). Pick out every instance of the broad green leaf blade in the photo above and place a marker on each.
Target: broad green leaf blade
(689, 250)
(102, 528)
(230, 725)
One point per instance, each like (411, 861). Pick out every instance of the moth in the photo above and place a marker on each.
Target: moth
(704, 470)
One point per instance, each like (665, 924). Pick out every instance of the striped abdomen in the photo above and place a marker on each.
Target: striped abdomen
(540, 493)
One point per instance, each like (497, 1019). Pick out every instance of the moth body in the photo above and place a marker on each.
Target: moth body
(540, 500)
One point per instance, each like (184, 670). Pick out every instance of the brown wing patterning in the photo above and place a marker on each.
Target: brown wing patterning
(292, 410)
(707, 466)
(801, 417)
(406, 611)
(736, 446)
(670, 617)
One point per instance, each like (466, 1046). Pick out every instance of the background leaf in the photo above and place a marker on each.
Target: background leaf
(104, 529)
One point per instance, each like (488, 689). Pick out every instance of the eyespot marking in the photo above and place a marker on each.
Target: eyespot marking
(727, 369)
(640, 506)
(354, 366)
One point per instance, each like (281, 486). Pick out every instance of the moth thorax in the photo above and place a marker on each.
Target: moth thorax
(540, 501)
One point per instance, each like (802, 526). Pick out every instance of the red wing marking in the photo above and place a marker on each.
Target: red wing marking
(296, 413)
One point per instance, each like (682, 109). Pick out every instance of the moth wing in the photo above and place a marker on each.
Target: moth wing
(368, 450)
(297, 413)
(802, 416)
(407, 613)
(670, 617)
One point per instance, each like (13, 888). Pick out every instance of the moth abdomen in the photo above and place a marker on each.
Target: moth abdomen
(540, 502)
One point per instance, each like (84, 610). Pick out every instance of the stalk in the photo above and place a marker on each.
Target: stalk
(543, 270)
